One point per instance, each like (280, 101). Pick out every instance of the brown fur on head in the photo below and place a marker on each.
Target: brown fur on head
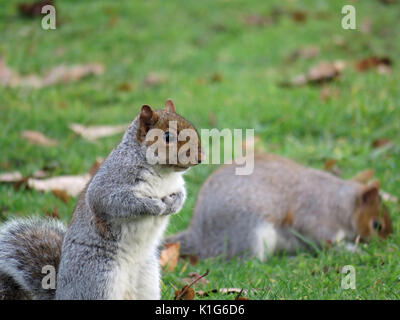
(171, 128)
(372, 217)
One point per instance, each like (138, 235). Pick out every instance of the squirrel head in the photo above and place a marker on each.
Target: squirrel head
(170, 140)
(371, 215)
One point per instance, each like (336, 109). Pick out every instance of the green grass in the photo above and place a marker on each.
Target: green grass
(188, 42)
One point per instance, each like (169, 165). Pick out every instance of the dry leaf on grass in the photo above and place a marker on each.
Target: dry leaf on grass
(258, 20)
(388, 1)
(31, 10)
(38, 138)
(58, 74)
(299, 16)
(328, 93)
(92, 133)
(325, 71)
(187, 292)
(319, 74)
(71, 185)
(216, 77)
(192, 276)
(378, 143)
(124, 87)
(388, 197)
(232, 290)
(331, 166)
(239, 296)
(170, 255)
(153, 79)
(10, 176)
(14, 178)
(61, 194)
(382, 64)
(306, 53)
(202, 293)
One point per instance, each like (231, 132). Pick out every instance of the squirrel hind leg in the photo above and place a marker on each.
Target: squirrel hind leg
(10, 290)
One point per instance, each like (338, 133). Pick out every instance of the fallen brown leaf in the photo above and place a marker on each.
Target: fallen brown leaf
(14, 178)
(319, 74)
(186, 293)
(93, 133)
(192, 276)
(170, 255)
(31, 10)
(58, 74)
(388, 197)
(212, 119)
(125, 87)
(239, 296)
(325, 71)
(328, 93)
(382, 64)
(216, 77)
(388, 1)
(153, 79)
(299, 16)
(71, 185)
(10, 176)
(306, 53)
(366, 25)
(378, 143)
(329, 163)
(61, 194)
(258, 20)
(38, 138)
(232, 290)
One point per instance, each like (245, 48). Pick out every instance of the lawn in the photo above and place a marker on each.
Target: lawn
(223, 63)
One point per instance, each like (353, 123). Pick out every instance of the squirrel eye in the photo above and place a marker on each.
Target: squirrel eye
(376, 225)
(166, 136)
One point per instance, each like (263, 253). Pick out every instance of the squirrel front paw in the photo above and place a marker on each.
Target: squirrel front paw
(173, 202)
(157, 207)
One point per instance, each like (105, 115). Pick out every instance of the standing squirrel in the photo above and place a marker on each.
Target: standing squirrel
(266, 211)
(109, 250)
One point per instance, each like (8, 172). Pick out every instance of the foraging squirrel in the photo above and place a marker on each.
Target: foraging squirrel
(109, 250)
(265, 212)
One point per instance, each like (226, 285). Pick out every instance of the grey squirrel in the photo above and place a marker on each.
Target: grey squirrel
(265, 212)
(109, 250)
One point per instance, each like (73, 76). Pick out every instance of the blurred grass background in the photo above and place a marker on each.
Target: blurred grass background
(222, 69)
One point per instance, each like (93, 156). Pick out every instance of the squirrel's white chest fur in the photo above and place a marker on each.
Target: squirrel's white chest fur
(137, 274)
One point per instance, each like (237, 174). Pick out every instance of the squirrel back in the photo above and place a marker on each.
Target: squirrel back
(26, 246)
(261, 213)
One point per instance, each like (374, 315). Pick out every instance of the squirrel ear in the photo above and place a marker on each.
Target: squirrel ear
(147, 115)
(147, 118)
(370, 193)
(169, 106)
(363, 176)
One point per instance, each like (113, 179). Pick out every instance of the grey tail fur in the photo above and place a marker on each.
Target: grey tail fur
(26, 246)
(186, 240)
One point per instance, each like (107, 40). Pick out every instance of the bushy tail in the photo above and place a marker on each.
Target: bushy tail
(26, 246)
(187, 241)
